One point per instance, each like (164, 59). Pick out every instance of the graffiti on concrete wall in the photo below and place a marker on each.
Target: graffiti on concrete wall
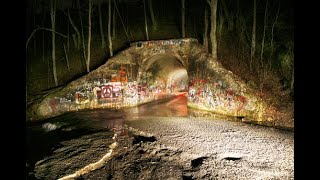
(170, 42)
(215, 95)
(173, 42)
(160, 49)
(116, 91)
(121, 76)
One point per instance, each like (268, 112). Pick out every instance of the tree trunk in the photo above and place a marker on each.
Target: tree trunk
(122, 23)
(43, 46)
(127, 22)
(48, 65)
(238, 8)
(66, 54)
(292, 80)
(114, 22)
(76, 29)
(228, 16)
(272, 30)
(213, 35)
(145, 18)
(68, 38)
(83, 45)
(154, 22)
(183, 19)
(220, 26)
(253, 40)
(195, 18)
(34, 25)
(103, 43)
(205, 34)
(264, 33)
(109, 29)
(89, 37)
(53, 26)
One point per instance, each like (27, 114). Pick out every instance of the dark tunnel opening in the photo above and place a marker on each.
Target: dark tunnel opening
(165, 72)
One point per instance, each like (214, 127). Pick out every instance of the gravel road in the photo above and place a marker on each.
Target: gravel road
(223, 149)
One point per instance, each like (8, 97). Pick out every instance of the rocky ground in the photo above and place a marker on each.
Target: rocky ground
(177, 148)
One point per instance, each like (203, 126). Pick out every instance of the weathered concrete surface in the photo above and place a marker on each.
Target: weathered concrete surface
(120, 82)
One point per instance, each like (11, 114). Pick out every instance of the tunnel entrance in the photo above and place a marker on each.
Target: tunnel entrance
(152, 70)
(166, 73)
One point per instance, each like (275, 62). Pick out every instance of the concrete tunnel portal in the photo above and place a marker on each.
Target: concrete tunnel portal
(166, 69)
(135, 75)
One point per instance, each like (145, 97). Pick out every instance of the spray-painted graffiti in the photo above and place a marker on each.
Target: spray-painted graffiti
(171, 42)
(101, 92)
(81, 98)
(131, 93)
(215, 95)
(110, 90)
(174, 42)
(53, 104)
(159, 49)
(116, 91)
(120, 76)
(161, 46)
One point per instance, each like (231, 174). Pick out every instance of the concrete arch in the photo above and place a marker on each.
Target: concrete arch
(149, 60)
(210, 85)
(168, 68)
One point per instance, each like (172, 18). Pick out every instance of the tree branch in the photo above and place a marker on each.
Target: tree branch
(43, 29)
(209, 3)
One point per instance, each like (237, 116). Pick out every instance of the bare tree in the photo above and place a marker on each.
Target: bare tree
(34, 7)
(114, 22)
(213, 4)
(213, 34)
(145, 19)
(103, 43)
(109, 29)
(205, 33)
(264, 33)
(220, 26)
(66, 54)
(183, 18)
(272, 32)
(238, 9)
(77, 43)
(89, 37)
(43, 56)
(253, 40)
(83, 45)
(53, 26)
(154, 22)
(35, 30)
(68, 36)
(292, 80)
(228, 16)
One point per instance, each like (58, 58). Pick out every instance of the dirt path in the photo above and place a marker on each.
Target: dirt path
(224, 149)
(178, 148)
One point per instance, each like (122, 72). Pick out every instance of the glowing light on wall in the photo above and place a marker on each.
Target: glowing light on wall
(178, 79)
